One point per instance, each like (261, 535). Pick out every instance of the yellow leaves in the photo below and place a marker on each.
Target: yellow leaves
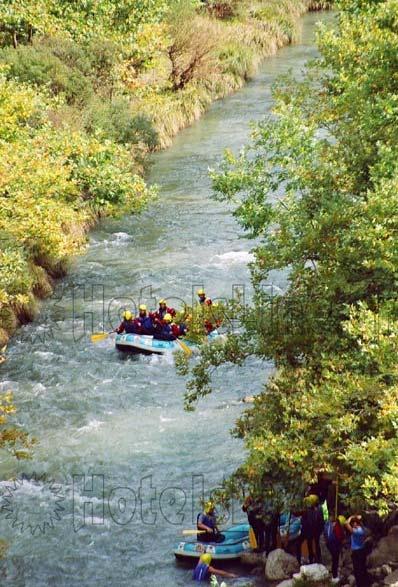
(6, 406)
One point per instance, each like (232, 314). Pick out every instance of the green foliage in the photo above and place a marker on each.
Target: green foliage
(86, 89)
(37, 65)
(58, 180)
(317, 188)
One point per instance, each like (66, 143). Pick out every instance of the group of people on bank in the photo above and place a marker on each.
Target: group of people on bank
(160, 324)
(299, 533)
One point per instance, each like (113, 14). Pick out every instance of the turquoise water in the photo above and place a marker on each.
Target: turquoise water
(122, 421)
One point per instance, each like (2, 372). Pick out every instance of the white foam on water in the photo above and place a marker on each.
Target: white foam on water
(92, 425)
(232, 258)
(39, 389)
(121, 237)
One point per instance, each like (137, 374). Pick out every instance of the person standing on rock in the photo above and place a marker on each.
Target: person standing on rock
(312, 524)
(334, 538)
(358, 550)
(254, 511)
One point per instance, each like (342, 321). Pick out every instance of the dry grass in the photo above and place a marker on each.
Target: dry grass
(239, 46)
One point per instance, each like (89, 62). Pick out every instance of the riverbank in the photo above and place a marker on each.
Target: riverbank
(78, 155)
(93, 412)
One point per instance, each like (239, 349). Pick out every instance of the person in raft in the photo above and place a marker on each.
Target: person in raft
(203, 299)
(127, 325)
(143, 322)
(169, 330)
(203, 570)
(162, 311)
(206, 523)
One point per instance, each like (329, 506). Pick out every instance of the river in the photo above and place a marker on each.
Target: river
(127, 463)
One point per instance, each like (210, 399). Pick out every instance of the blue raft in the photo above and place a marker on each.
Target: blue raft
(235, 543)
(148, 345)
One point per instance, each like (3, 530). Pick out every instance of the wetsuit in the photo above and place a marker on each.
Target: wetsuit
(201, 572)
(126, 326)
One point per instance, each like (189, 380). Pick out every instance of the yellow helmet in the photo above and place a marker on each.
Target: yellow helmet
(313, 499)
(167, 318)
(127, 315)
(201, 292)
(162, 302)
(205, 558)
(342, 520)
(209, 507)
(142, 307)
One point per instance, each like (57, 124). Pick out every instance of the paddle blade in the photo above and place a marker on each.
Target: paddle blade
(252, 539)
(184, 347)
(192, 532)
(98, 336)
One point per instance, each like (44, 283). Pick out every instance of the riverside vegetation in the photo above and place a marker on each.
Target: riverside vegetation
(86, 91)
(317, 188)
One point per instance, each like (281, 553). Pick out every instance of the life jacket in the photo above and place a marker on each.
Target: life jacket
(209, 521)
(333, 536)
(201, 572)
(312, 522)
(162, 312)
(127, 326)
(143, 325)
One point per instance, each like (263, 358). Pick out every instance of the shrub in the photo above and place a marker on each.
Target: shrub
(39, 66)
(117, 122)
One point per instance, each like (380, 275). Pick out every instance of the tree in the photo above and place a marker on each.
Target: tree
(191, 50)
(317, 188)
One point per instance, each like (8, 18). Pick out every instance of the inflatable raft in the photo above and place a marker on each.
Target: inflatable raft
(148, 345)
(235, 543)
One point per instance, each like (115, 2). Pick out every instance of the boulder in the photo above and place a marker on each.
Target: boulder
(286, 583)
(280, 565)
(386, 549)
(386, 570)
(376, 573)
(351, 580)
(391, 579)
(253, 559)
(314, 573)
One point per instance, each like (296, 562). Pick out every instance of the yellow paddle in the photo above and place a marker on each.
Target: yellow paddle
(191, 532)
(184, 347)
(98, 336)
(252, 539)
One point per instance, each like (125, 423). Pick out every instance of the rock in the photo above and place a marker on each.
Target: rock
(315, 573)
(286, 583)
(257, 571)
(374, 523)
(351, 580)
(386, 549)
(253, 559)
(376, 573)
(280, 565)
(391, 578)
(386, 570)
(392, 520)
